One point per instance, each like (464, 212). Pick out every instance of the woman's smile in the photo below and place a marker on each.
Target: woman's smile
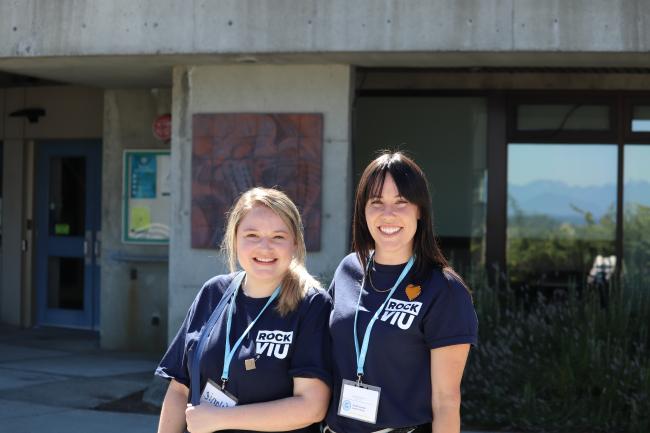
(392, 221)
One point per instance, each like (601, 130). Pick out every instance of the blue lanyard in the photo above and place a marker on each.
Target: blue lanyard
(204, 335)
(230, 352)
(361, 355)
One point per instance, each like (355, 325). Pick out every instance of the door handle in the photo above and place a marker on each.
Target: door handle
(97, 247)
(88, 259)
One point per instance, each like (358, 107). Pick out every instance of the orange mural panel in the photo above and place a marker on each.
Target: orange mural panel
(234, 152)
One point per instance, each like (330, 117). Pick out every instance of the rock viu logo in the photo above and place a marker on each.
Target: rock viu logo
(401, 313)
(273, 343)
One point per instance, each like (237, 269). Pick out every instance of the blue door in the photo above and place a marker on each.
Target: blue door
(68, 192)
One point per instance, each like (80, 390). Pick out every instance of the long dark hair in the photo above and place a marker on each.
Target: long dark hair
(412, 184)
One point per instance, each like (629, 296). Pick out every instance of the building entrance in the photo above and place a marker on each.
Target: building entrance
(67, 218)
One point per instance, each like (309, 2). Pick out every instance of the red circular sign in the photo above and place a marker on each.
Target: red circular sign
(162, 127)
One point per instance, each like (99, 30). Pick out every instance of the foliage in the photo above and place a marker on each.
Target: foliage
(637, 239)
(563, 366)
(545, 251)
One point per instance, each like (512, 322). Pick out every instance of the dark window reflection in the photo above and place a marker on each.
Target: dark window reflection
(65, 288)
(561, 214)
(447, 137)
(67, 199)
(562, 117)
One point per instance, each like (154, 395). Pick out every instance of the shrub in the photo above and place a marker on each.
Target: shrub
(570, 365)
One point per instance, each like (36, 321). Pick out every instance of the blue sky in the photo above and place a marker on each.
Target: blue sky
(637, 163)
(575, 165)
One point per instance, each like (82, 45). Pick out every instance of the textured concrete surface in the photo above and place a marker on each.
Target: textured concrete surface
(134, 293)
(322, 89)
(50, 381)
(69, 28)
(126, 43)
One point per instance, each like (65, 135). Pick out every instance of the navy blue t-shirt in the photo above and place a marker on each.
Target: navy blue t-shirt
(398, 358)
(296, 345)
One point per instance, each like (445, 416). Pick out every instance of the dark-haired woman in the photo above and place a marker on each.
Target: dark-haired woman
(403, 320)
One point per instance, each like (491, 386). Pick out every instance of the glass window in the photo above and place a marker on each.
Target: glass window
(636, 210)
(67, 196)
(561, 214)
(563, 117)
(641, 118)
(65, 287)
(447, 138)
(1, 175)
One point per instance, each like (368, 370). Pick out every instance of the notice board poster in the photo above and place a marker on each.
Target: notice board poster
(146, 197)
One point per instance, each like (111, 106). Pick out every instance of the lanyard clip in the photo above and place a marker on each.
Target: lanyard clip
(359, 376)
(223, 383)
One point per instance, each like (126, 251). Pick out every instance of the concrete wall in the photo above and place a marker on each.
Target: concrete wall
(252, 88)
(136, 43)
(71, 112)
(70, 28)
(134, 278)
(12, 209)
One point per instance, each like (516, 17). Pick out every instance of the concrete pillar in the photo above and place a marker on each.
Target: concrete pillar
(133, 277)
(258, 89)
(12, 210)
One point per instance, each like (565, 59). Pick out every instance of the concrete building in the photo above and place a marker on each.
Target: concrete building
(530, 118)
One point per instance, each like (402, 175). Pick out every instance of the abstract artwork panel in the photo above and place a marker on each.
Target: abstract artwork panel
(234, 152)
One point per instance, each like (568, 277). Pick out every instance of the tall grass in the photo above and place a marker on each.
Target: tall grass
(570, 365)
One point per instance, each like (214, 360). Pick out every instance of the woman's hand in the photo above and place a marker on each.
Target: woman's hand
(307, 406)
(203, 418)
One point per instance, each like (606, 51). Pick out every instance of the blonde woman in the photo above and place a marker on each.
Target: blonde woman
(253, 351)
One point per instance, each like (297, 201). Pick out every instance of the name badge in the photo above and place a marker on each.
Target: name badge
(214, 395)
(359, 401)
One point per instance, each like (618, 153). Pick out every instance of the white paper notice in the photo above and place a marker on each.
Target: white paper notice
(213, 395)
(359, 401)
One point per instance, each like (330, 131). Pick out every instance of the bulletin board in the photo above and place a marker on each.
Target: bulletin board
(146, 197)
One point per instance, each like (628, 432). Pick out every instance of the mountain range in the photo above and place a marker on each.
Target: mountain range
(554, 198)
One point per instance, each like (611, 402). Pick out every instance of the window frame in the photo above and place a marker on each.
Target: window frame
(515, 99)
(630, 136)
(501, 131)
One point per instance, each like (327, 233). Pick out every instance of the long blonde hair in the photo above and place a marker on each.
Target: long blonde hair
(297, 280)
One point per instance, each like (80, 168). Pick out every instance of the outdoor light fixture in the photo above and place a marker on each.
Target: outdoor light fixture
(32, 114)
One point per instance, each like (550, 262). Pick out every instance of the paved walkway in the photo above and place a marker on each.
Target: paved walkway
(50, 381)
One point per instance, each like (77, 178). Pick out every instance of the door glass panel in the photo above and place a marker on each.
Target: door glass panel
(641, 118)
(67, 196)
(447, 137)
(636, 210)
(1, 175)
(562, 117)
(65, 288)
(561, 214)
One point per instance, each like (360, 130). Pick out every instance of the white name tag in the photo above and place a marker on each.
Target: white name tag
(214, 395)
(359, 401)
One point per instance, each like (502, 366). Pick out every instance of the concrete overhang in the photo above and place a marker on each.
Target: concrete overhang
(135, 43)
(144, 71)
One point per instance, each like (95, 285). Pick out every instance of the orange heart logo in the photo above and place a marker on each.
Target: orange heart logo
(413, 291)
